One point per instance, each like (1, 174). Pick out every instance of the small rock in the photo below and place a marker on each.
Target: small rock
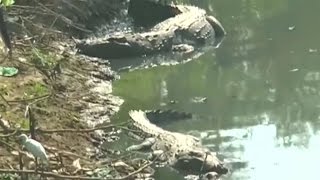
(313, 50)
(294, 70)
(291, 28)
(4, 123)
(22, 59)
(199, 99)
(173, 102)
(89, 173)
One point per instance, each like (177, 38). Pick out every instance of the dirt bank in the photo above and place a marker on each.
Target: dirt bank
(63, 94)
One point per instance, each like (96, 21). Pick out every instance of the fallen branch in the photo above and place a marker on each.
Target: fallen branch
(59, 176)
(140, 169)
(63, 18)
(48, 174)
(8, 145)
(79, 130)
(31, 99)
(10, 134)
(136, 172)
(4, 99)
(39, 130)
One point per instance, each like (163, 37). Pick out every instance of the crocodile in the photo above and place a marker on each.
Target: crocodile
(183, 152)
(176, 28)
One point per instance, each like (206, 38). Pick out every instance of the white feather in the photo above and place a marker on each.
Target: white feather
(35, 148)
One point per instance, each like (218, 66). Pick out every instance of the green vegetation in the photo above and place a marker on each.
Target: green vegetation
(42, 59)
(7, 2)
(8, 176)
(36, 89)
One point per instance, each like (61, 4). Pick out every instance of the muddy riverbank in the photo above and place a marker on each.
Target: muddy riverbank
(64, 99)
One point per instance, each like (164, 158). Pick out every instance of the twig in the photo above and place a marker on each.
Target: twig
(10, 134)
(41, 27)
(51, 26)
(61, 153)
(31, 99)
(63, 130)
(32, 121)
(140, 169)
(4, 99)
(63, 18)
(48, 174)
(77, 130)
(8, 145)
(137, 171)
(201, 169)
(29, 115)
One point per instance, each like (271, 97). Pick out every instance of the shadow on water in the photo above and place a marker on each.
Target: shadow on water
(262, 88)
(163, 59)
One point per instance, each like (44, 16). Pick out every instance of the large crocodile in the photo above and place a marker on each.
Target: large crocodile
(177, 28)
(181, 151)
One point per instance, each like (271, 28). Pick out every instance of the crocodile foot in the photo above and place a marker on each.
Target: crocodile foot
(210, 176)
(183, 48)
(147, 143)
(206, 176)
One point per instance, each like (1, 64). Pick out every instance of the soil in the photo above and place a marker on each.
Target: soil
(70, 100)
(62, 91)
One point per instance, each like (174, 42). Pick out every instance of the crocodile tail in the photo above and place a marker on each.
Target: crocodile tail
(137, 114)
(141, 121)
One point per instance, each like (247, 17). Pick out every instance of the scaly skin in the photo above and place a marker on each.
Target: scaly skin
(181, 151)
(173, 28)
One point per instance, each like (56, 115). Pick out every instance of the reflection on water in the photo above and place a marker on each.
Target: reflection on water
(262, 90)
(258, 152)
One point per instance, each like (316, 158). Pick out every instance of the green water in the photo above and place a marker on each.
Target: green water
(262, 113)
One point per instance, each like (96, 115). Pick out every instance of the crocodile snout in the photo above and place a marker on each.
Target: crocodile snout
(217, 26)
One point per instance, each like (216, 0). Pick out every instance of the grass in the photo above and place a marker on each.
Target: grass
(42, 59)
(36, 89)
(53, 112)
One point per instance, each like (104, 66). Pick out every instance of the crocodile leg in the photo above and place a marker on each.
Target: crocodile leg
(147, 143)
(210, 176)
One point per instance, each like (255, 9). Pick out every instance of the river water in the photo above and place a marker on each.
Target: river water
(261, 87)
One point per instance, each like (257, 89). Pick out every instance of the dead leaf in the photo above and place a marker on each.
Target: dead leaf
(76, 164)
(4, 124)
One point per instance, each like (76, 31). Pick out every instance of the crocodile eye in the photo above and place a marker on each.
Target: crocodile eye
(195, 153)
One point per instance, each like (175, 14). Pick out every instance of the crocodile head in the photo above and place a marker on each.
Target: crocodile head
(217, 26)
(219, 31)
(199, 160)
